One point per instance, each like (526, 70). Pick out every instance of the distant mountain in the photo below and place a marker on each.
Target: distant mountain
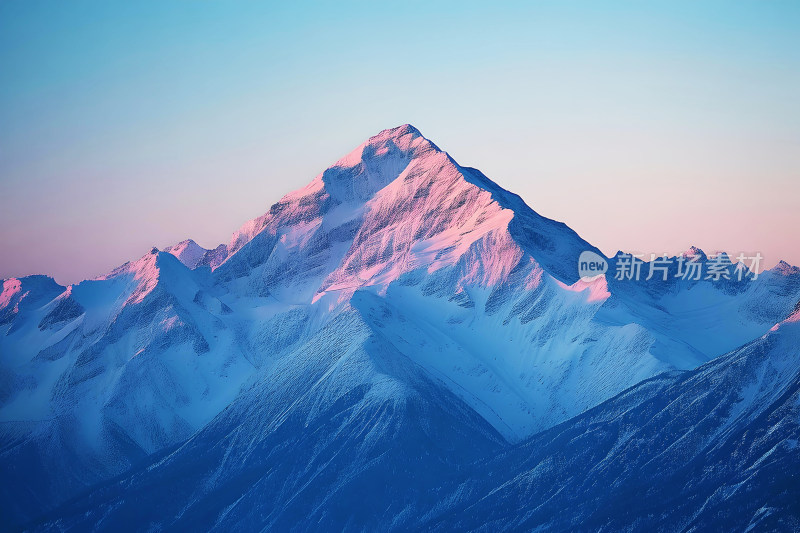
(188, 252)
(400, 318)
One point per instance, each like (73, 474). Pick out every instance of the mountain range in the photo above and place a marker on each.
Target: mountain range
(400, 345)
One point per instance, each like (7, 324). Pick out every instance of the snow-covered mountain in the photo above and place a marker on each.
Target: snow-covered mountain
(714, 448)
(401, 317)
(188, 252)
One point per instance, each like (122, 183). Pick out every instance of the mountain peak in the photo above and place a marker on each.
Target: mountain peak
(694, 252)
(399, 131)
(405, 140)
(405, 137)
(786, 269)
(407, 205)
(188, 252)
(377, 162)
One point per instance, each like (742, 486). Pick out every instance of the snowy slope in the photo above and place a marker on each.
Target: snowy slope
(367, 441)
(715, 449)
(334, 436)
(108, 372)
(396, 251)
(400, 218)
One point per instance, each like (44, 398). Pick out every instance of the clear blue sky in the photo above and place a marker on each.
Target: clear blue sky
(646, 126)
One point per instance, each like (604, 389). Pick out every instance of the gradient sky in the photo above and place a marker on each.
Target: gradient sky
(645, 126)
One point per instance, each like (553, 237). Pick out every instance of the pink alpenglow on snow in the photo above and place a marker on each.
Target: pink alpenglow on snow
(397, 282)
(11, 287)
(596, 290)
(188, 252)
